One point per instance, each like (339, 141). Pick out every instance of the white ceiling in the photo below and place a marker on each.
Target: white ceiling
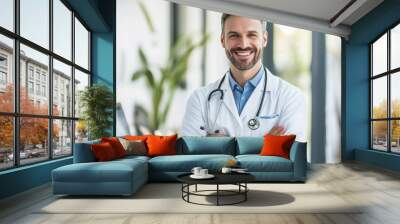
(316, 15)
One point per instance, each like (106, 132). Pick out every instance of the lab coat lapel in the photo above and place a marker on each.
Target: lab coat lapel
(252, 104)
(229, 101)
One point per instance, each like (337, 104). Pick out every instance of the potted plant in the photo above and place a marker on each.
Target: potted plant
(96, 103)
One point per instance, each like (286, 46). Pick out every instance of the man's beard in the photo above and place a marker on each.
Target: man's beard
(244, 65)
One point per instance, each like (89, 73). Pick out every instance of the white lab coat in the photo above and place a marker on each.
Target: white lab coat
(284, 104)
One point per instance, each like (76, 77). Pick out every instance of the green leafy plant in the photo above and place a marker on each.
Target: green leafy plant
(96, 102)
(172, 75)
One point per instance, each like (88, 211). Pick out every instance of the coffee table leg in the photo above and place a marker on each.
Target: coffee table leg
(196, 188)
(217, 194)
(245, 191)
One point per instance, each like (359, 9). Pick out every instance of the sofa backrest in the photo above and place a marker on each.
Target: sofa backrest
(249, 145)
(192, 145)
(83, 153)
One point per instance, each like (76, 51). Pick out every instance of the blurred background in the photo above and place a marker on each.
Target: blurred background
(165, 51)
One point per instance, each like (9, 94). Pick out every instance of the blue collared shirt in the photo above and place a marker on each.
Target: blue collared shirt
(241, 95)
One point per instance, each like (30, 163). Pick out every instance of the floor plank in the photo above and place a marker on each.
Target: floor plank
(377, 190)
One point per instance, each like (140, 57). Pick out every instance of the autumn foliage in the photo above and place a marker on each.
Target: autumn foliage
(33, 130)
(380, 127)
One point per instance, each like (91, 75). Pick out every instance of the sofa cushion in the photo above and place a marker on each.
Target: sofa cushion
(116, 145)
(257, 163)
(161, 145)
(111, 171)
(191, 145)
(277, 145)
(103, 152)
(185, 163)
(249, 145)
(83, 153)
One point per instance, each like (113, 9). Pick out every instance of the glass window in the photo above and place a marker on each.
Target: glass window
(7, 14)
(6, 73)
(30, 87)
(395, 47)
(62, 137)
(379, 56)
(81, 45)
(40, 62)
(81, 131)
(62, 29)
(379, 97)
(395, 136)
(395, 95)
(81, 81)
(379, 135)
(35, 21)
(6, 142)
(62, 72)
(33, 140)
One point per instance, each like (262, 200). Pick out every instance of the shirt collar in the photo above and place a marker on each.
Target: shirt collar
(253, 81)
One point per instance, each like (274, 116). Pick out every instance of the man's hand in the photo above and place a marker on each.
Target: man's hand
(277, 130)
(220, 133)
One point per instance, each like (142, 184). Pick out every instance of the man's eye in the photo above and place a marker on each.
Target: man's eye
(233, 35)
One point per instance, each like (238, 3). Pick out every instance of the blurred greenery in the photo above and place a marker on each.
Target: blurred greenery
(172, 75)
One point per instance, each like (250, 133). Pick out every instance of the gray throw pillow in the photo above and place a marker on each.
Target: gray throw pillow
(134, 147)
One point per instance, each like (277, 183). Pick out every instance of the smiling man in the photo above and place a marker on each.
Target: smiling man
(248, 100)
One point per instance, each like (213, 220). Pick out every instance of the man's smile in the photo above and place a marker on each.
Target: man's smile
(243, 55)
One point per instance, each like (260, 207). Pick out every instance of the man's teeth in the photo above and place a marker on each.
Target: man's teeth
(243, 53)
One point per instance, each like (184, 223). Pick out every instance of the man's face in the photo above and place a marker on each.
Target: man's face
(243, 40)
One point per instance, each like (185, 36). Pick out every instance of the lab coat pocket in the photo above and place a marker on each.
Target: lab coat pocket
(267, 122)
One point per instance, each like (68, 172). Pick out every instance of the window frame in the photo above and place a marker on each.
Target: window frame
(16, 114)
(388, 74)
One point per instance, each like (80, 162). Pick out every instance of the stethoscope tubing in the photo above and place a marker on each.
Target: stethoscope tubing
(218, 89)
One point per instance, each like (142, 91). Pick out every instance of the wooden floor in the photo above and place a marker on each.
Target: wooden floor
(377, 188)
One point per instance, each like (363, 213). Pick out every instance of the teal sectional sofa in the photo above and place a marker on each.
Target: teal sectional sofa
(125, 176)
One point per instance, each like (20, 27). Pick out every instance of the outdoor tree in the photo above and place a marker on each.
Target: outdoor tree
(33, 131)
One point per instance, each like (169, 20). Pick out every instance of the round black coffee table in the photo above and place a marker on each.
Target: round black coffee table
(238, 179)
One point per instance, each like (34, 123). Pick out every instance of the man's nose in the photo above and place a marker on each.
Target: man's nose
(244, 42)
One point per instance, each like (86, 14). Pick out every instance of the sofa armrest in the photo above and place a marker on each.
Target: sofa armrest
(83, 153)
(298, 155)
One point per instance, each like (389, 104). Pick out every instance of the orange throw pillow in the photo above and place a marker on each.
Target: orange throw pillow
(116, 145)
(161, 145)
(103, 151)
(277, 145)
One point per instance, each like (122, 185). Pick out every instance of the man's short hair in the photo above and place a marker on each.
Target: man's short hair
(225, 16)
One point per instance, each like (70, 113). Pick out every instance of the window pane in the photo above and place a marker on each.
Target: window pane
(62, 89)
(81, 131)
(33, 139)
(395, 136)
(6, 142)
(34, 97)
(379, 98)
(395, 94)
(395, 47)
(81, 81)
(35, 21)
(6, 74)
(379, 135)
(379, 55)
(62, 29)
(81, 45)
(7, 14)
(62, 137)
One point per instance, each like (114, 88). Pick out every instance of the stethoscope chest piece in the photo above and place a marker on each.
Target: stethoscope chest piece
(253, 124)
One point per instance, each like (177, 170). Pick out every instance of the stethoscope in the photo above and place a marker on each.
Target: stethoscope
(253, 123)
